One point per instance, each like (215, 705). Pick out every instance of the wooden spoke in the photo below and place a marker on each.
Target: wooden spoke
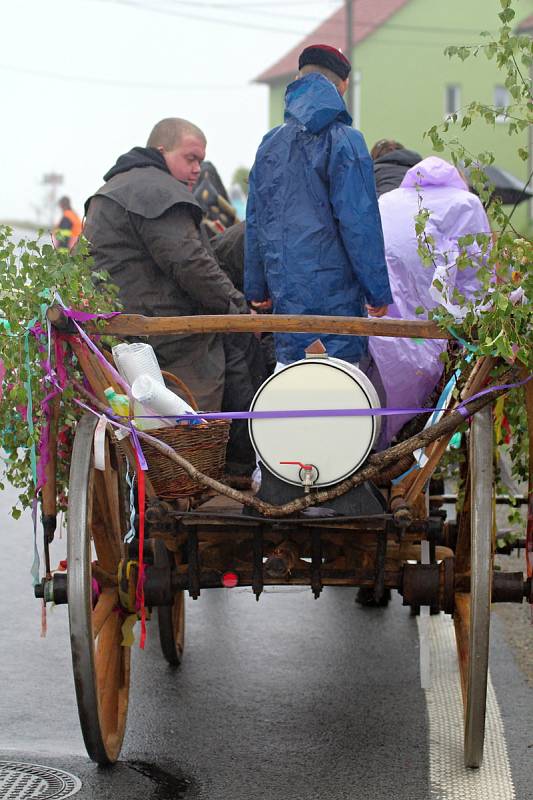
(461, 619)
(108, 673)
(472, 610)
(106, 526)
(416, 481)
(104, 607)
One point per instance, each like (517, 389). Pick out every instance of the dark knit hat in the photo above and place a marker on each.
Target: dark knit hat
(323, 55)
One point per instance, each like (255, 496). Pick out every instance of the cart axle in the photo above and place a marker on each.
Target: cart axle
(53, 590)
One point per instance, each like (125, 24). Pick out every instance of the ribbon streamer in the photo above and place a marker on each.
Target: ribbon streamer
(99, 443)
(140, 578)
(462, 408)
(130, 480)
(84, 316)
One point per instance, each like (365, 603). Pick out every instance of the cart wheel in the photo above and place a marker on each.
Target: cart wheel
(97, 521)
(172, 628)
(472, 610)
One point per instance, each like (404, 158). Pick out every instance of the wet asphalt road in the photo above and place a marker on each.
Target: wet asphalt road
(288, 698)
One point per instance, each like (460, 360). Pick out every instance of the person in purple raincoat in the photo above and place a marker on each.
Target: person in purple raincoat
(410, 368)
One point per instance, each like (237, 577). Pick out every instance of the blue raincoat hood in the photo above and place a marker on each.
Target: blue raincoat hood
(313, 235)
(315, 103)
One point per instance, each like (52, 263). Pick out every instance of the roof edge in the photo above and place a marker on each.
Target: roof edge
(526, 25)
(330, 31)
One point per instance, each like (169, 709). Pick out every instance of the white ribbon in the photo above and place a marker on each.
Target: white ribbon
(99, 443)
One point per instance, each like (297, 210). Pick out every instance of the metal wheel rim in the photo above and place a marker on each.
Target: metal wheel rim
(480, 586)
(79, 588)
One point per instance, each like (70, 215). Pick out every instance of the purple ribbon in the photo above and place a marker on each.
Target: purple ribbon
(85, 316)
(87, 339)
(464, 411)
(135, 439)
(332, 412)
(297, 413)
(138, 448)
(48, 378)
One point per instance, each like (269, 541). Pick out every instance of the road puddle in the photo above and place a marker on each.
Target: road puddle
(166, 785)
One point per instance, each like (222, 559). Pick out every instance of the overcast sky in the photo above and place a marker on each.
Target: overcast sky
(85, 80)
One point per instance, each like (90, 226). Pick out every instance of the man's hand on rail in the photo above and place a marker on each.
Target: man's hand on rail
(376, 311)
(261, 305)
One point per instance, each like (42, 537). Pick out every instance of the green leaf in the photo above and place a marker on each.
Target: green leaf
(507, 15)
(502, 302)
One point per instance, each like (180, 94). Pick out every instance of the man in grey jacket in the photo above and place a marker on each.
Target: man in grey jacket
(143, 226)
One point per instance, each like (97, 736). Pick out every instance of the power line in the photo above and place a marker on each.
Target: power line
(122, 84)
(242, 8)
(253, 9)
(265, 3)
(398, 27)
(197, 17)
(339, 22)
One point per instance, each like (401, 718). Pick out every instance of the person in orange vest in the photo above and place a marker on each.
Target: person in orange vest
(68, 229)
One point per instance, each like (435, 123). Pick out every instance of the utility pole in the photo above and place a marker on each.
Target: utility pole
(52, 179)
(349, 52)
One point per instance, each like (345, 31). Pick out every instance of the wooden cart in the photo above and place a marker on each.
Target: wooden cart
(193, 546)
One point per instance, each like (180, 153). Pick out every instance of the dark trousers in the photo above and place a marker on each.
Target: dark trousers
(245, 372)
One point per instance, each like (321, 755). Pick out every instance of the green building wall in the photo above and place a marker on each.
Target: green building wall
(403, 76)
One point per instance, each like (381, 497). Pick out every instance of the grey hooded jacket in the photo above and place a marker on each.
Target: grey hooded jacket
(144, 229)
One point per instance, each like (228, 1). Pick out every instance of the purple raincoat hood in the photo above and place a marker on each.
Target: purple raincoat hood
(433, 171)
(411, 368)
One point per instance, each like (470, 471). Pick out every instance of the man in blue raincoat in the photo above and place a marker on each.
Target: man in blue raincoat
(314, 243)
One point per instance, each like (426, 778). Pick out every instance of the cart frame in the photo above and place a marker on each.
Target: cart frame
(191, 549)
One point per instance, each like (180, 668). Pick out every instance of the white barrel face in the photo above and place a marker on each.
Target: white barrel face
(335, 446)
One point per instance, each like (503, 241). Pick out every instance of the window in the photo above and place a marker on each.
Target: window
(452, 99)
(501, 102)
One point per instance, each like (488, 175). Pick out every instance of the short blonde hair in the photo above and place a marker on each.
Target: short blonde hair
(169, 132)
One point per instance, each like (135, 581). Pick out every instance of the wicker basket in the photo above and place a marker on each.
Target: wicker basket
(204, 445)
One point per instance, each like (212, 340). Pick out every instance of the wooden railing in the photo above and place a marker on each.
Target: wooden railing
(136, 325)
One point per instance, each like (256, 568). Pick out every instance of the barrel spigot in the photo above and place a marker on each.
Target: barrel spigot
(308, 473)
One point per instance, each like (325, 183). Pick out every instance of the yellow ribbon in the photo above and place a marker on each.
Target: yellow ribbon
(128, 639)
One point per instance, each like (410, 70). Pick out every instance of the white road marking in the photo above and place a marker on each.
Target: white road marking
(423, 627)
(450, 780)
